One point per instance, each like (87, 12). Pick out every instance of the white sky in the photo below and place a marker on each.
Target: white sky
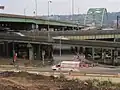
(57, 6)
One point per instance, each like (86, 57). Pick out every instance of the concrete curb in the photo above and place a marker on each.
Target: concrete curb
(97, 75)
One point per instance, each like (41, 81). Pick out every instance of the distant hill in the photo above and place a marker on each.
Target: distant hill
(79, 18)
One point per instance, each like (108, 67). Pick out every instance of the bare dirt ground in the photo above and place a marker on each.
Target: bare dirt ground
(26, 81)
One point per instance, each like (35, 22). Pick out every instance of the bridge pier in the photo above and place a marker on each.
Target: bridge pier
(48, 52)
(103, 53)
(38, 53)
(30, 51)
(4, 49)
(93, 53)
(81, 50)
(115, 55)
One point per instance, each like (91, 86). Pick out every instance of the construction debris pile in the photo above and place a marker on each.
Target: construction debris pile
(26, 81)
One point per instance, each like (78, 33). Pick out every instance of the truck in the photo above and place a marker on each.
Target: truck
(69, 66)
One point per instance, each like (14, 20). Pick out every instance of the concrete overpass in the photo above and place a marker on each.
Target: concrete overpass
(28, 22)
(14, 37)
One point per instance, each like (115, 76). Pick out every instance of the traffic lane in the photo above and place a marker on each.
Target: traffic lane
(82, 70)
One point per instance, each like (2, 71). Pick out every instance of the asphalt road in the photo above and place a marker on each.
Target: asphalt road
(105, 70)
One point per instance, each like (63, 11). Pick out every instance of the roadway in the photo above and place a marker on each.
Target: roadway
(115, 78)
(94, 70)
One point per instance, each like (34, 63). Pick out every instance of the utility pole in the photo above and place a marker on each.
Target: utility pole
(35, 18)
(35, 14)
(60, 46)
(48, 19)
(2, 7)
(72, 12)
(72, 7)
(25, 16)
(118, 21)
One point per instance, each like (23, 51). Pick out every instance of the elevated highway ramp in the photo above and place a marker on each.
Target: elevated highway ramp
(80, 35)
(90, 43)
(73, 33)
(44, 40)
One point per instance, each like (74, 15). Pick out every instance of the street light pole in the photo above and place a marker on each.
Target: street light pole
(35, 14)
(61, 43)
(72, 12)
(25, 17)
(2, 7)
(60, 46)
(72, 7)
(48, 18)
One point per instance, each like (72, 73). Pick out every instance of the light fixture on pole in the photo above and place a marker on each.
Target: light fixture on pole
(49, 1)
(2, 7)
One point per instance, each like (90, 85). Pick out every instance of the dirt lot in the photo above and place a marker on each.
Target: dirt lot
(25, 81)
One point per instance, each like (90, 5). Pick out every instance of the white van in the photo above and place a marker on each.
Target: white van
(67, 66)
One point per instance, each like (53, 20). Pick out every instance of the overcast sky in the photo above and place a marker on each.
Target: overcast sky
(57, 6)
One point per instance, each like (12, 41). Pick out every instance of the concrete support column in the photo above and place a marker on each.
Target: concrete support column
(76, 49)
(112, 57)
(86, 52)
(93, 53)
(31, 52)
(38, 52)
(115, 56)
(6, 49)
(81, 50)
(46, 53)
(51, 52)
(72, 50)
(111, 53)
(1, 49)
(103, 55)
